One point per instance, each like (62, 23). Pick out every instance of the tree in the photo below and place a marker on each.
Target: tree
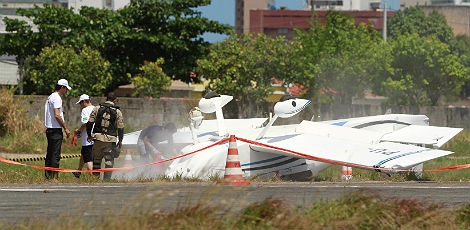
(422, 69)
(144, 30)
(152, 81)
(243, 66)
(55, 26)
(426, 74)
(85, 70)
(462, 47)
(168, 29)
(342, 56)
(413, 20)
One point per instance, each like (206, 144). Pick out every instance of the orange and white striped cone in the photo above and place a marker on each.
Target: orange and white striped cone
(346, 173)
(233, 171)
(128, 158)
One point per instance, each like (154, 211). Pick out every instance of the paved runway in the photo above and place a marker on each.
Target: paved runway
(19, 201)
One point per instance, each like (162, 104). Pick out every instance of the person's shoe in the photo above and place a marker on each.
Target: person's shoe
(77, 174)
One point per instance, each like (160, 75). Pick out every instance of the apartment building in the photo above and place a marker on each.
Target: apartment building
(260, 16)
(8, 7)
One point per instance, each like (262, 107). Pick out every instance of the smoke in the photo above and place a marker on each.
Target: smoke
(139, 173)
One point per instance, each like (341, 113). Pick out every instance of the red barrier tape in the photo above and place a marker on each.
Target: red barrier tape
(456, 167)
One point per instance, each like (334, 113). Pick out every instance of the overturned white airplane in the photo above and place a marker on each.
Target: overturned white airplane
(386, 143)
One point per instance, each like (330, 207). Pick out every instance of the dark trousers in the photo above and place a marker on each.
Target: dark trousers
(54, 145)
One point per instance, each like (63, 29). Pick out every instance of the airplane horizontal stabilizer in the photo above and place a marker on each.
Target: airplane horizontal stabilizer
(419, 134)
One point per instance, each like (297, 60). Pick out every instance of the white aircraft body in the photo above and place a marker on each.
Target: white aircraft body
(387, 143)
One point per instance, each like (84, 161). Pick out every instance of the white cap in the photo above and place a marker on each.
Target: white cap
(82, 98)
(64, 83)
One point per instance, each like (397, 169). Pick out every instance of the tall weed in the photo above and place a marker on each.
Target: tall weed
(12, 119)
(19, 133)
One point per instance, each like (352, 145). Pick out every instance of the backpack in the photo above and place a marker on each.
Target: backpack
(105, 121)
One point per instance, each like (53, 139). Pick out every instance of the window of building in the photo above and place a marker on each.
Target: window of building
(282, 31)
(438, 2)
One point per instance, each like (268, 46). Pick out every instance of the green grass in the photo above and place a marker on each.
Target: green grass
(19, 174)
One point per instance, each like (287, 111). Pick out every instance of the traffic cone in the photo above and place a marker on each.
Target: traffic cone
(233, 171)
(128, 159)
(346, 173)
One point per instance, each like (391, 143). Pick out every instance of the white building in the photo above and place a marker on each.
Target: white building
(342, 5)
(101, 4)
(451, 2)
(8, 70)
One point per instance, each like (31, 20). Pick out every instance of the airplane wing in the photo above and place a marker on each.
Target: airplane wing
(336, 144)
(130, 138)
(379, 155)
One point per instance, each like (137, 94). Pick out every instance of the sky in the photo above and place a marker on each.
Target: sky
(224, 12)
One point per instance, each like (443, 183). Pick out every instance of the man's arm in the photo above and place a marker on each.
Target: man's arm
(91, 122)
(121, 136)
(150, 145)
(89, 127)
(120, 127)
(81, 128)
(61, 121)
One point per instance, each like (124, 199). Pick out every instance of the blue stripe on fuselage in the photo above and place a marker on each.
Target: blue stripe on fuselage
(263, 161)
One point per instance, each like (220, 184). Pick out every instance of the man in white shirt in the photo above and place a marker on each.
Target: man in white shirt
(54, 122)
(87, 144)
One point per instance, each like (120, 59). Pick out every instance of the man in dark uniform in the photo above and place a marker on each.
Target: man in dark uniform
(150, 138)
(107, 123)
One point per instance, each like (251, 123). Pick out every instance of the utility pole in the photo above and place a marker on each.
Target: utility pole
(312, 10)
(384, 30)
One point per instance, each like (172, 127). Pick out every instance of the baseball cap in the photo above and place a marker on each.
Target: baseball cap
(64, 83)
(82, 98)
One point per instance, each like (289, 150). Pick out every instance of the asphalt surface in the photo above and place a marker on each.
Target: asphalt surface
(19, 202)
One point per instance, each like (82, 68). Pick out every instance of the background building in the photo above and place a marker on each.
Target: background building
(260, 16)
(283, 22)
(8, 7)
(242, 12)
(101, 4)
(341, 5)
